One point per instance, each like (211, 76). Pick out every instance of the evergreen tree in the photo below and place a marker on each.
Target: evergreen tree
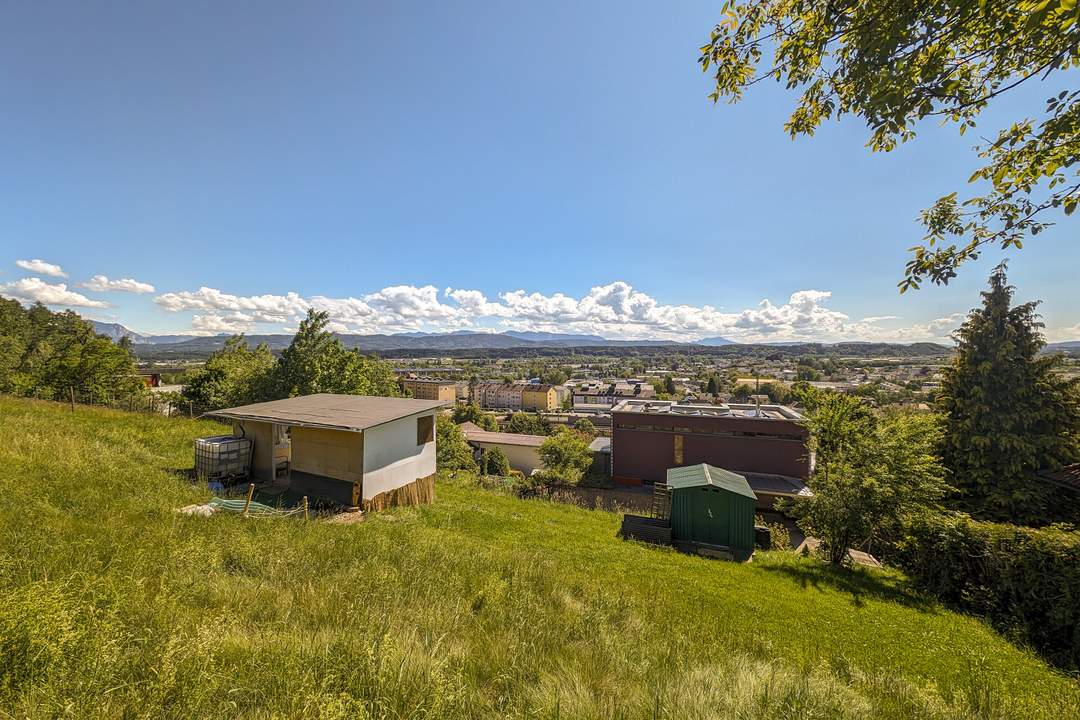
(317, 362)
(1010, 412)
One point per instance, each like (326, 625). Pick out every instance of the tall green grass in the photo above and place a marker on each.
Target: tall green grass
(481, 605)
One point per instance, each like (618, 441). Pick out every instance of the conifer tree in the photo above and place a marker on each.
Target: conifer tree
(1010, 412)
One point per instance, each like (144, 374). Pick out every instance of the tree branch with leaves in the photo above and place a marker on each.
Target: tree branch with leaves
(896, 62)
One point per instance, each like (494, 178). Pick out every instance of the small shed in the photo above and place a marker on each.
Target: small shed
(355, 450)
(711, 506)
(522, 451)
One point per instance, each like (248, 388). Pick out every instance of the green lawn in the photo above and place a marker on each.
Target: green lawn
(481, 605)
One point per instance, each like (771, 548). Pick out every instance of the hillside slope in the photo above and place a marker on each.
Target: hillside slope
(478, 606)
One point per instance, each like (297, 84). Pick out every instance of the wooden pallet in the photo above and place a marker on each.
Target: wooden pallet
(661, 502)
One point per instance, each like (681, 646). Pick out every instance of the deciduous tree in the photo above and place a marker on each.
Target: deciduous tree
(565, 456)
(873, 473)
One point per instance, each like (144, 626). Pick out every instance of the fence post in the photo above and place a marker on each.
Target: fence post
(191, 409)
(72, 390)
(305, 508)
(251, 491)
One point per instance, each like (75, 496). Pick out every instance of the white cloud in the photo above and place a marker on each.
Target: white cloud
(616, 310)
(1063, 334)
(213, 323)
(37, 290)
(264, 308)
(41, 267)
(101, 283)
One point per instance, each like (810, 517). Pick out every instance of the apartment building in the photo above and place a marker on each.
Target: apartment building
(423, 389)
(539, 397)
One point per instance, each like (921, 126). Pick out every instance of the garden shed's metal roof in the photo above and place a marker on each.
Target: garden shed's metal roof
(703, 475)
(353, 413)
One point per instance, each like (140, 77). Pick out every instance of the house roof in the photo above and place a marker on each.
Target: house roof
(353, 413)
(500, 438)
(703, 474)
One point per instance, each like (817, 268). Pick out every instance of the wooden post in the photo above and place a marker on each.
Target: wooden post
(251, 491)
(305, 508)
(72, 390)
(191, 409)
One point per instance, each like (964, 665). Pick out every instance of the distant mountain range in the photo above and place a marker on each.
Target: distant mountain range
(414, 344)
(115, 331)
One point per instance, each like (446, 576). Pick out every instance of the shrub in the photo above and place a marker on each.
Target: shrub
(526, 486)
(452, 452)
(779, 537)
(495, 462)
(1024, 581)
(566, 457)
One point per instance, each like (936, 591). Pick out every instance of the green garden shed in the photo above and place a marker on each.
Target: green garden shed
(711, 506)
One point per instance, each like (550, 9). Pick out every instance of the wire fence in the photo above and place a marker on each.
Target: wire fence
(145, 401)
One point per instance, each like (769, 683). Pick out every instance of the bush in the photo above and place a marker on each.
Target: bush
(495, 462)
(526, 486)
(452, 452)
(1024, 581)
(779, 537)
(566, 457)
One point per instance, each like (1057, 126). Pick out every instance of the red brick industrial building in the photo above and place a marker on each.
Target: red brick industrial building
(766, 443)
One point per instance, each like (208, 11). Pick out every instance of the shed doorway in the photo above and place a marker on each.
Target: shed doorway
(282, 458)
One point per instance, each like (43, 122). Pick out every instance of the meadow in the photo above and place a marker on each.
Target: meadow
(481, 605)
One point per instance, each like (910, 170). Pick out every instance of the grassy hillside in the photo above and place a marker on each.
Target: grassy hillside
(481, 605)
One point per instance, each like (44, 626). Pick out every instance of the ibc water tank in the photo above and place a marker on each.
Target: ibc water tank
(222, 458)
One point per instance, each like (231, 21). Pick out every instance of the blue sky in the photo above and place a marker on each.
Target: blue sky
(443, 166)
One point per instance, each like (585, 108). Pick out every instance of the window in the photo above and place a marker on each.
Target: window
(678, 450)
(425, 429)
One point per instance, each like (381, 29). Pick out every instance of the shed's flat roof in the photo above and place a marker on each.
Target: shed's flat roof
(474, 433)
(353, 413)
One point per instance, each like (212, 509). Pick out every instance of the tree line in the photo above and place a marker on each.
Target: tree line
(45, 354)
(1006, 415)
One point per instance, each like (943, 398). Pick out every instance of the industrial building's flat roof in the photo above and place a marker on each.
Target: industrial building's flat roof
(669, 407)
(353, 413)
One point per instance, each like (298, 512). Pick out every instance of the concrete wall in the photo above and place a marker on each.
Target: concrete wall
(330, 453)
(392, 458)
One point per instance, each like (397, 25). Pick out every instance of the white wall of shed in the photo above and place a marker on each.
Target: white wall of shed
(392, 458)
(521, 457)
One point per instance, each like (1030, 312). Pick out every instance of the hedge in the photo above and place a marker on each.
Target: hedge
(1024, 581)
